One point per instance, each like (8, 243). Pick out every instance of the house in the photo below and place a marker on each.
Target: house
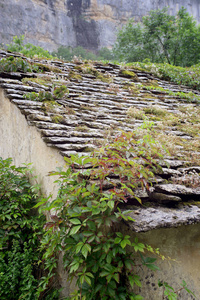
(53, 109)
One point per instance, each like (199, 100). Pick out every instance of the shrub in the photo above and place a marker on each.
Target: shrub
(16, 64)
(28, 50)
(20, 230)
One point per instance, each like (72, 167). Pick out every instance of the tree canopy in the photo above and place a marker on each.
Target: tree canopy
(160, 37)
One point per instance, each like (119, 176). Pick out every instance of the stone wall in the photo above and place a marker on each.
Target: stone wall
(88, 23)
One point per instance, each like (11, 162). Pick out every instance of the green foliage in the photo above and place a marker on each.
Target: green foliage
(28, 50)
(179, 75)
(16, 64)
(169, 292)
(128, 74)
(191, 97)
(129, 45)
(160, 38)
(20, 231)
(186, 76)
(105, 54)
(18, 235)
(68, 53)
(85, 225)
(57, 93)
(60, 91)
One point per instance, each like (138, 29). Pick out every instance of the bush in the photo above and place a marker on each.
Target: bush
(28, 50)
(21, 265)
(16, 64)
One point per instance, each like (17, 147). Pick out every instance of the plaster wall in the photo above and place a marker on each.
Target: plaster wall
(182, 246)
(24, 144)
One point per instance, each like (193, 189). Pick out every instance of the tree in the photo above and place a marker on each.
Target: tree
(160, 38)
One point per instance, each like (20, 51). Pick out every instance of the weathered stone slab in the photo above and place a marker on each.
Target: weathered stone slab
(62, 140)
(151, 218)
(172, 163)
(74, 147)
(20, 87)
(163, 198)
(176, 189)
(171, 172)
(15, 96)
(27, 102)
(190, 169)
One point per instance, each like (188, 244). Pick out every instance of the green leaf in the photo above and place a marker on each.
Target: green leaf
(109, 257)
(74, 268)
(91, 225)
(88, 280)
(87, 233)
(149, 260)
(85, 250)
(95, 268)
(74, 230)
(116, 277)
(98, 288)
(111, 204)
(117, 240)
(88, 247)
(138, 297)
(75, 221)
(137, 281)
(91, 239)
(152, 267)
(111, 292)
(104, 273)
(106, 247)
(131, 281)
(79, 246)
(129, 264)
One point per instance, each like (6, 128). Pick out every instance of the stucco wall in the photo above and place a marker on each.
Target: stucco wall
(181, 244)
(24, 144)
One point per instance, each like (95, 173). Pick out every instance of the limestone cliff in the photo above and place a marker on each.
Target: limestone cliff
(88, 23)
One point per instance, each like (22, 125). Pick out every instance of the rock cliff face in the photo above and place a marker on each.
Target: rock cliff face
(88, 23)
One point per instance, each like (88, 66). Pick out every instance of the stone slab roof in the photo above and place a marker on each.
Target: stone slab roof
(102, 99)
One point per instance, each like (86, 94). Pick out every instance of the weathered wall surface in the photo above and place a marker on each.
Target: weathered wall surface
(24, 144)
(181, 244)
(88, 23)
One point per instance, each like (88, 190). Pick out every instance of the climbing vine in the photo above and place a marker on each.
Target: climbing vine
(85, 217)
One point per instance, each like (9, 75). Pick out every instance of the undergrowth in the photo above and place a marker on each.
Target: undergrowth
(21, 266)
